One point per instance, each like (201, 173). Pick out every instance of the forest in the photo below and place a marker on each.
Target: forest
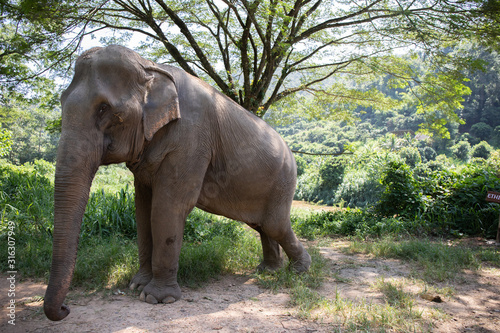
(391, 109)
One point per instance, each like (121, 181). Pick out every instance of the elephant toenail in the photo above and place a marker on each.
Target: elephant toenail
(151, 299)
(168, 300)
(142, 297)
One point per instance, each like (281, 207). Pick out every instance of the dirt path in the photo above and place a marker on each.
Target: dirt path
(237, 304)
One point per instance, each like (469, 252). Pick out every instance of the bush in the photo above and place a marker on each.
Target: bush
(331, 174)
(26, 197)
(411, 156)
(428, 154)
(319, 184)
(349, 222)
(461, 151)
(359, 188)
(455, 200)
(301, 165)
(482, 150)
(202, 226)
(401, 195)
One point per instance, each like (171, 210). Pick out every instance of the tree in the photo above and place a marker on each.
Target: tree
(483, 104)
(264, 51)
(481, 131)
(32, 42)
(32, 38)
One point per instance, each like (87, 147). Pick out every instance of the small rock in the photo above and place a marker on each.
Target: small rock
(432, 298)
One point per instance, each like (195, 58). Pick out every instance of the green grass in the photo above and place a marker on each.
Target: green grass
(287, 278)
(395, 295)
(434, 261)
(105, 263)
(112, 178)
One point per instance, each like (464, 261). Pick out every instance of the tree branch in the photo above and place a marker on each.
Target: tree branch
(196, 47)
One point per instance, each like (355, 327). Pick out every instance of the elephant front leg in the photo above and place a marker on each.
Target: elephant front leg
(167, 233)
(144, 237)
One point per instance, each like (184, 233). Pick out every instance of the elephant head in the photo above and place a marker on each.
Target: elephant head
(115, 104)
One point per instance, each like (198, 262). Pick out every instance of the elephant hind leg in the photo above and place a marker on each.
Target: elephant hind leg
(273, 260)
(300, 260)
(276, 231)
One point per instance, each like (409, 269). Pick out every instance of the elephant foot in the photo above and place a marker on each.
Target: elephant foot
(140, 280)
(154, 294)
(301, 264)
(269, 266)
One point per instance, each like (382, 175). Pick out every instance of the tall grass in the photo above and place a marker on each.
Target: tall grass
(108, 214)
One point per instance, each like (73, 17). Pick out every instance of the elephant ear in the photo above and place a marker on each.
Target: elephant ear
(161, 102)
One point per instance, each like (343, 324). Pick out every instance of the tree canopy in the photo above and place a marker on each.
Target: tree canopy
(265, 51)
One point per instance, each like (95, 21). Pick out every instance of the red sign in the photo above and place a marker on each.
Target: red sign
(493, 197)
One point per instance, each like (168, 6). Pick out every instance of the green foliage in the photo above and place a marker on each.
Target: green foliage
(5, 142)
(331, 174)
(411, 156)
(201, 227)
(351, 222)
(461, 151)
(401, 194)
(320, 184)
(24, 116)
(481, 130)
(26, 196)
(287, 278)
(105, 262)
(301, 165)
(227, 252)
(109, 214)
(481, 150)
(429, 154)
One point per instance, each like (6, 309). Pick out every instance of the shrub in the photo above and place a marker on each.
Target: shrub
(348, 222)
(202, 226)
(482, 150)
(411, 156)
(428, 154)
(401, 195)
(331, 174)
(461, 151)
(360, 188)
(307, 186)
(301, 165)
(26, 197)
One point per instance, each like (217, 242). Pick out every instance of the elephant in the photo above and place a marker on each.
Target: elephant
(187, 145)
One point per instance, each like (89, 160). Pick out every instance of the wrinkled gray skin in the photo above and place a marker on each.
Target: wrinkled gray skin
(187, 145)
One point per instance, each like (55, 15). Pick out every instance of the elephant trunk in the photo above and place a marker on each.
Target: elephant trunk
(74, 175)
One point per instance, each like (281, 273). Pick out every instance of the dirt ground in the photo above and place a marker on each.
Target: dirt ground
(235, 303)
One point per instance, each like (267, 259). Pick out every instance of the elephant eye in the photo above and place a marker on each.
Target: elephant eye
(103, 108)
